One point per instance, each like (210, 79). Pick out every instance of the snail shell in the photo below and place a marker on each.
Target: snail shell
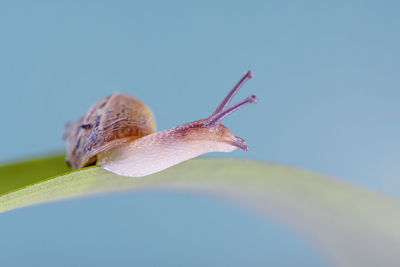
(111, 122)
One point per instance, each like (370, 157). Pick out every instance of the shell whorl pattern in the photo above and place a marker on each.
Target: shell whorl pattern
(111, 122)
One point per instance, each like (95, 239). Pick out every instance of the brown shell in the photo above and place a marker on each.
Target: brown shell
(112, 121)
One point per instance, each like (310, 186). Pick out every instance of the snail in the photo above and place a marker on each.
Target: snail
(119, 134)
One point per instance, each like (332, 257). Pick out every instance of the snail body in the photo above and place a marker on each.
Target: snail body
(135, 149)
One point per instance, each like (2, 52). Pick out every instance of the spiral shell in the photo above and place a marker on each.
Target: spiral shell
(111, 122)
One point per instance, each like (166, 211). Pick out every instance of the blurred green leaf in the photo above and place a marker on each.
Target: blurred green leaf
(19, 174)
(351, 225)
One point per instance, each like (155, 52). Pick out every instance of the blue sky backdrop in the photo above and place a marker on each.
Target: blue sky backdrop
(326, 74)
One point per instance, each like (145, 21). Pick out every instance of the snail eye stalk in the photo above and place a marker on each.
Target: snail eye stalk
(228, 98)
(223, 110)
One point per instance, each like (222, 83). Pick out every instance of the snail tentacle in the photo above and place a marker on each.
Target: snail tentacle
(228, 98)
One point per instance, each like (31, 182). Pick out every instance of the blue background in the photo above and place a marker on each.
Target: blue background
(326, 74)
